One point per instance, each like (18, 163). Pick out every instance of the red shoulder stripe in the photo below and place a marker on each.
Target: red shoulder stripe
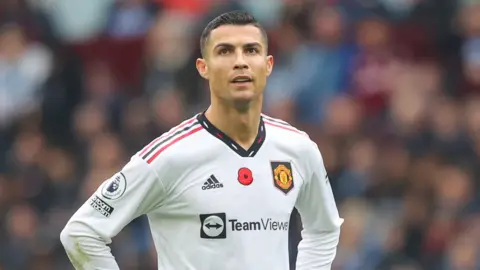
(166, 134)
(276, 121)
(179, 138)
(289, 128)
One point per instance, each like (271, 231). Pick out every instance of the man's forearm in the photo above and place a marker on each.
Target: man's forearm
(317, 250)
(86, 249)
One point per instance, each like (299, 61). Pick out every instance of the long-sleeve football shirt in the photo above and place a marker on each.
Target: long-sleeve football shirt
(213, 205)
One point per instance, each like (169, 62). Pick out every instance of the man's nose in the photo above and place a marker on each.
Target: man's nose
(240, 62)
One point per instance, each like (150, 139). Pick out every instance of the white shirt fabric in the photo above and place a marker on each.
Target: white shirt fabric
(212, 205)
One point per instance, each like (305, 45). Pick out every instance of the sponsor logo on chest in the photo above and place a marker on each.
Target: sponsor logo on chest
(264, 224)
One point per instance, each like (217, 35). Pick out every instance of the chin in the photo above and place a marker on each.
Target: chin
(244, 95)
(243, 100)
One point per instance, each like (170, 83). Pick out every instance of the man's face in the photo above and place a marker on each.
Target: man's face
(236, 63)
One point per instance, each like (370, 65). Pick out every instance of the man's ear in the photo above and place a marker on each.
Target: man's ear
(202, 68)
(269, 64)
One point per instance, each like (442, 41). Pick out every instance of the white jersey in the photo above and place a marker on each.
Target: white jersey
(213, 205)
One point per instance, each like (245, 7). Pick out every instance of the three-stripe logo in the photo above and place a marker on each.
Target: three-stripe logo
(212, 183)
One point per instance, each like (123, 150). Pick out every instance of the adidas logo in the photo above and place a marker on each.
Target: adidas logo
(211, 183)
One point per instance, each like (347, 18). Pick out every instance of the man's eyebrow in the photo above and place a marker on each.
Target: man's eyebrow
(219, 45)
(253, 44)
(247, 45)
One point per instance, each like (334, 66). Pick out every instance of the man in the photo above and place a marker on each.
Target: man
(219, 188)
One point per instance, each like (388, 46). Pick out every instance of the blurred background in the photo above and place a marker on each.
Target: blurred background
(389, 89)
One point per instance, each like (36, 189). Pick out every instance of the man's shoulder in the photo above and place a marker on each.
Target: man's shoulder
(172, 143)
(284, 130)
(293, 141)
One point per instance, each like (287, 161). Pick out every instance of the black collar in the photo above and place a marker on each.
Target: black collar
(251, 152)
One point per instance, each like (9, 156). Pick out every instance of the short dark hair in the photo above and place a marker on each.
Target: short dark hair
(237, 17)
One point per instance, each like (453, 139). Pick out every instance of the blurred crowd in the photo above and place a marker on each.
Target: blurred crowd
(389, 89)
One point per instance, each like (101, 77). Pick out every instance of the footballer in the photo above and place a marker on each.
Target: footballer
(219, 188)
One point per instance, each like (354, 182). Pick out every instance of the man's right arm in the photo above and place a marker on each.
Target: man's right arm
(132, 192)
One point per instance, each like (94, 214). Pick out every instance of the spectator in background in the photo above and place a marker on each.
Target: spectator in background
(77, 21)
(30, 18)
(167, 50)
(130, 18)
(470, 25)
(168, 62)
(374, 60)
(324, 64)
(24, 68)
(282, 86)
(267, 12)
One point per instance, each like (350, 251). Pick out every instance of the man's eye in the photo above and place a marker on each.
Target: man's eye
(252, 50)
(223, 51)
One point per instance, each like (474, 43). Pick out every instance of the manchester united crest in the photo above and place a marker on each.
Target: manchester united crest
(282, 176)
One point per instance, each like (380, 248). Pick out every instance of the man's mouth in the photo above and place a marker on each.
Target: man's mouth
(242, 79)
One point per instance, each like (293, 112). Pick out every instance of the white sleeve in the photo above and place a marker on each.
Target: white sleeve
(130, 193)
(320, 218)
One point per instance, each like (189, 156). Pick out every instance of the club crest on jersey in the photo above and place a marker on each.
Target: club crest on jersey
(282, 176)
(115, 187)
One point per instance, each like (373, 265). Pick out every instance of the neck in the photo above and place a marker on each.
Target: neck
(242, 127)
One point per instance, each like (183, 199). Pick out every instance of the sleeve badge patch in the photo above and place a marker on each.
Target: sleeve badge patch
(114, 187)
